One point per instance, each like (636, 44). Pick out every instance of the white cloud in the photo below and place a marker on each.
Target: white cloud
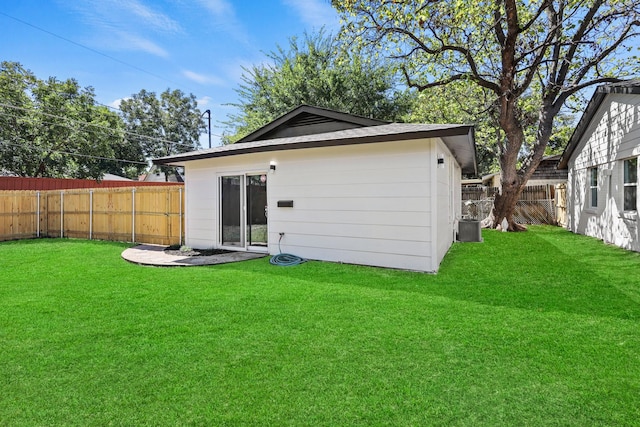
(130, 41)
(316, 13)
(204, 101)
(225, 19)
(116, 103)
(149, 17)
(219, 8)
(125, 24)
(202, 78)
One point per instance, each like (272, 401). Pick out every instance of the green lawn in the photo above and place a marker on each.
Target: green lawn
(538, 328)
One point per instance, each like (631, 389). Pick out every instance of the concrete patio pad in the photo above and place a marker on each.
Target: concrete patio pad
(154, 255)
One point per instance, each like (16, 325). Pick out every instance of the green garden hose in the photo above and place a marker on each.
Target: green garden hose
(285, 260)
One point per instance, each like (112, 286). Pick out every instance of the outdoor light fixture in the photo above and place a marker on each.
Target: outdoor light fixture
(272, 166)
(441, 161)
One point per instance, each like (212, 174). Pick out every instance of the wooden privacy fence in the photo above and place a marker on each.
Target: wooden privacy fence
(538, 204)
(132, 214)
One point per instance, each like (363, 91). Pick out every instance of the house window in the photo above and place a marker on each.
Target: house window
(593, 187)
(630, 184)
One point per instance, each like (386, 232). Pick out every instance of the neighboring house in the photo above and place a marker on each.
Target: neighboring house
(331, 186)
(602, 159)
(156, 175)
(547, 173)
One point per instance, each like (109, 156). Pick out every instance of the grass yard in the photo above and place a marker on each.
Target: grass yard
(537, 328)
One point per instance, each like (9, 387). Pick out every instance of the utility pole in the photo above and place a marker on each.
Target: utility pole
(208, 113)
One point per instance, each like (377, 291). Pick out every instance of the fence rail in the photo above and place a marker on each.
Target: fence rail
(131, 214)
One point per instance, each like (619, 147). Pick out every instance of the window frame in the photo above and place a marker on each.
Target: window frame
(592, 185)
(630, 184)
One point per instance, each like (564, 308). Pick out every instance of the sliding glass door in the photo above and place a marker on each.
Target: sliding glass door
(243, 211)
(256, 230)
(231, 229)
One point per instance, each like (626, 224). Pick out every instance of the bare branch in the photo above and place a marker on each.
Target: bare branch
(554, 18)
(626, 34)
(577, 37)
(497, 28)
(422, 87)
(449, 48)
(535, 17)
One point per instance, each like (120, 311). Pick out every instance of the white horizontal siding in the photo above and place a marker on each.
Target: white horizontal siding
(361, 204)
(358, 231)
(445, 184)
(372, 218)
(385, 190)
(612, 136)
(200, 207)
(370, 204)
(376, 259)
(355, 204)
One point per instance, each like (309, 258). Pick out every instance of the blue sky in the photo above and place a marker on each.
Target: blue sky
(122, 46)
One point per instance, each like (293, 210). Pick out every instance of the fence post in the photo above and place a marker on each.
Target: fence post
(90, 214)
(38, 215)
(62, 214)
(133, 214)
(180, 215)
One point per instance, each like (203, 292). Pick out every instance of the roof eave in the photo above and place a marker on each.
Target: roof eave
(465, 130)
(624, 87)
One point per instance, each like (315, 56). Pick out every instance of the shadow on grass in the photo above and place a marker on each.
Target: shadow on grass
(544, 269)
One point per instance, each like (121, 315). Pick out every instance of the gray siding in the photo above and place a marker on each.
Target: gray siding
(612, 136)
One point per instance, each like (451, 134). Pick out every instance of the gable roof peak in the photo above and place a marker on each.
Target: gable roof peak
(307, 120)
(631, 87)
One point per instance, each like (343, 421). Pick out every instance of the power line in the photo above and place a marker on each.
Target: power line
(101, 104)
(14, 107)
(42, 150)
(89, 49)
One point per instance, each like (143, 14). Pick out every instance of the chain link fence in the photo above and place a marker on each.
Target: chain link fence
(537, 205)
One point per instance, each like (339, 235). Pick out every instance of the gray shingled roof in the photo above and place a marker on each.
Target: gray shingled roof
(459, 139)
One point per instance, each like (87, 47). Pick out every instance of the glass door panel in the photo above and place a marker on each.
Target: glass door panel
(231, 211)
(256, 194)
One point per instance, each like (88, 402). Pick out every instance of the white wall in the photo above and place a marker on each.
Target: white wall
(368, 204)
(448, 207)
(201, 194)
(612, 136)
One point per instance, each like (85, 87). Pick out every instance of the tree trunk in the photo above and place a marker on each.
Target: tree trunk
(504, 206)
(514, 180)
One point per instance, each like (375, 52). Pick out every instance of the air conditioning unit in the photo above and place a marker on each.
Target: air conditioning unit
(469, 230)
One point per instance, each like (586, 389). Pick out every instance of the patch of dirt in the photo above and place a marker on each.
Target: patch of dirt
(183, 251)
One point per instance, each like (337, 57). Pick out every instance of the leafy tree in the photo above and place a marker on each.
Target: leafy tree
(16, 114)
(531, 56)
(316, 71)
(53, 128)
(462, 103)
(162, 126)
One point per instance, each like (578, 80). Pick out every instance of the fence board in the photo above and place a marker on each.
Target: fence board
(18, 215)
(141, 214)
(536, 205)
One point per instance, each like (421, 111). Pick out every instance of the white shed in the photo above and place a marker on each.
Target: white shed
(602, 158)
(331, 186)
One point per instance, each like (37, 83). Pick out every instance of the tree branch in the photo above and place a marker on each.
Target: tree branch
(449, 48)
(575, 40)
(541, 9)
(497, 28)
